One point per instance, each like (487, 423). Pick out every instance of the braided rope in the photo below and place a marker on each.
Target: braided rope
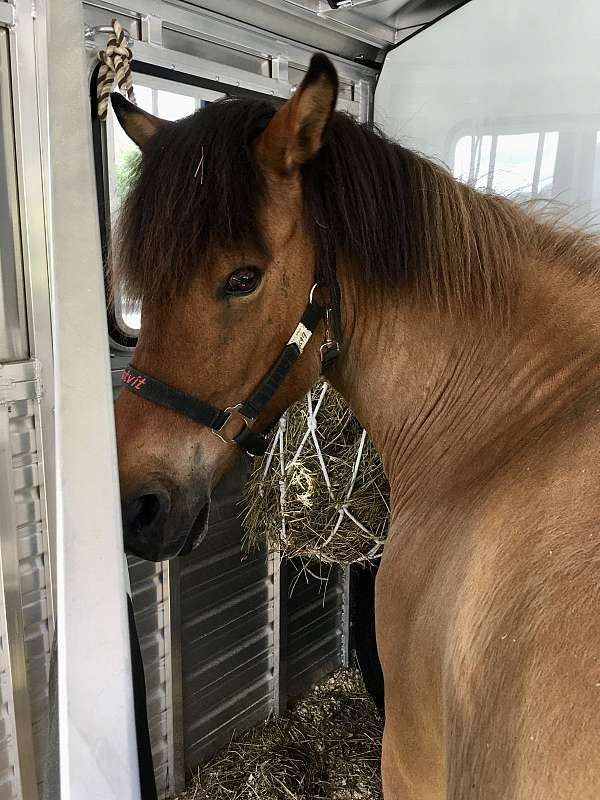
(311, 433)
(114, 65)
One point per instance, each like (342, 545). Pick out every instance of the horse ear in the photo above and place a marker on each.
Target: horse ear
(137, 124)
(295, 133)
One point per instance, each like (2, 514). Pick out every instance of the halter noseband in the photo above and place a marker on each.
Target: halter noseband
(247, 412)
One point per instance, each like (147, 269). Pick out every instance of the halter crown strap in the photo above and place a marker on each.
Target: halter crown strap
(216, 419)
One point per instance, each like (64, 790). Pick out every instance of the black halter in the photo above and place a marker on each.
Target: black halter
(247, 412)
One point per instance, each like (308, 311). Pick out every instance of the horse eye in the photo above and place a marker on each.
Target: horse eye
(243, 281)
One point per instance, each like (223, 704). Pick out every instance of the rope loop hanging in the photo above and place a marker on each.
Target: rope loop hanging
(114, 66)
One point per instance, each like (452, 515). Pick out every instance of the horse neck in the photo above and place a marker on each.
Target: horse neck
(448, 402)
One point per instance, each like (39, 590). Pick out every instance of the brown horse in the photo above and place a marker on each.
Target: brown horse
(469, 349)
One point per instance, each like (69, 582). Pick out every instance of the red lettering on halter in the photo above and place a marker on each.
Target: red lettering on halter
(132, 380)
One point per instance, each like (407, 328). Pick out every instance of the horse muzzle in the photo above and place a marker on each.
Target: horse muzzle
(159, 522)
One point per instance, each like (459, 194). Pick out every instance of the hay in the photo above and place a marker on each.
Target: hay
(288, 502)
(327, 748)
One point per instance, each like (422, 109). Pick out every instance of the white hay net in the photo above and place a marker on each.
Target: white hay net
(279, 451)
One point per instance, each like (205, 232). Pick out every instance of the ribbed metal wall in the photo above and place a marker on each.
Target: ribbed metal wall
(24, 699)
(226, 632)
(149, 606)
(25, 573)
(32, 566)
(315, 624)
(8, 789)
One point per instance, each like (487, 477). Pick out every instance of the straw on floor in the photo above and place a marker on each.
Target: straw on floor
(320, 490)
(326, 748)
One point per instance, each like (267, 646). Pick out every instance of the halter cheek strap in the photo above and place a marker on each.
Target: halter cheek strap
(221, 421)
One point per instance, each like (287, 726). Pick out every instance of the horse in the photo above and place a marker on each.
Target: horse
(268, 245)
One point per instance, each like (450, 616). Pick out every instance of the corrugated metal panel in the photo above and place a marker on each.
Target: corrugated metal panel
(226, 632)
(8, 788)
(147, 582)
(33, 563)
(314, 624)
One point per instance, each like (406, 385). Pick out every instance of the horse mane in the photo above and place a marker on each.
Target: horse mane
(399, 219)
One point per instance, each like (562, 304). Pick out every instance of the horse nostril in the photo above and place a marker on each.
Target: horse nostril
(149, 509)
(144, 512)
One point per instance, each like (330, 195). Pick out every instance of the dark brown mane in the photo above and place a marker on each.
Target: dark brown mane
(400, 219)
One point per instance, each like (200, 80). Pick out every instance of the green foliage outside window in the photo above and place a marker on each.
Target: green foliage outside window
(125, 174)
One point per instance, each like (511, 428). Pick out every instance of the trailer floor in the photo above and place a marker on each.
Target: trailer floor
(327, 747)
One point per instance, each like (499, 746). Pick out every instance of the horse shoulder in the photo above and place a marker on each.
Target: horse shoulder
(488, 627)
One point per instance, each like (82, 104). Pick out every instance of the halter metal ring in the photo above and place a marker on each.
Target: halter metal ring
(329, 346)
(233, 412)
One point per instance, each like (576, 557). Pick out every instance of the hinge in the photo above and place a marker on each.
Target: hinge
(8, 15)
(39, 384)
(152, 30)
(90, 32)
(9, 386)
(279, 68)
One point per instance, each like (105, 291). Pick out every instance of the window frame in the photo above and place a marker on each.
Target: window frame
(507, 126)
(122, 335)
(475, 180)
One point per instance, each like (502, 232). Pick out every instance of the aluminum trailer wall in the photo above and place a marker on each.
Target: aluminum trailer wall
(26, 613)
(204, 678)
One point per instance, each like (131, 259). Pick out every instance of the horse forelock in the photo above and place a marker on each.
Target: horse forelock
(197, 189)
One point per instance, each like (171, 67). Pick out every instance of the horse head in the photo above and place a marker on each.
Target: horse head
(215, 243)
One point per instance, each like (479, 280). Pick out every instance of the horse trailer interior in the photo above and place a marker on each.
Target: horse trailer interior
(506, 94)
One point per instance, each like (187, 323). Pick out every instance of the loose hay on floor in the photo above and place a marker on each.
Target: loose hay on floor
(328, 747)
(289, 504)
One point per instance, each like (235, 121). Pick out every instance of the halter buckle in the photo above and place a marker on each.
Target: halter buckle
(328, 348)
(233, 412)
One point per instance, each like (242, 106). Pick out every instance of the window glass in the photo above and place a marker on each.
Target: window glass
(472, 160)
(123, 156)
(482, 161)
(521, 165)
(175, 106)
(548, 162)
(131, 316)
(514, 167)
(462, 158)
(525, 73)
(125, 152)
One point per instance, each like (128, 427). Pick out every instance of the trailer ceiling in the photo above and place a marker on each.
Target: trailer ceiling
(348, 28)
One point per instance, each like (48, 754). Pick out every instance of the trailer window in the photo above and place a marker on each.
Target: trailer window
(13, 322)
(168, 101)
(521, 165)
